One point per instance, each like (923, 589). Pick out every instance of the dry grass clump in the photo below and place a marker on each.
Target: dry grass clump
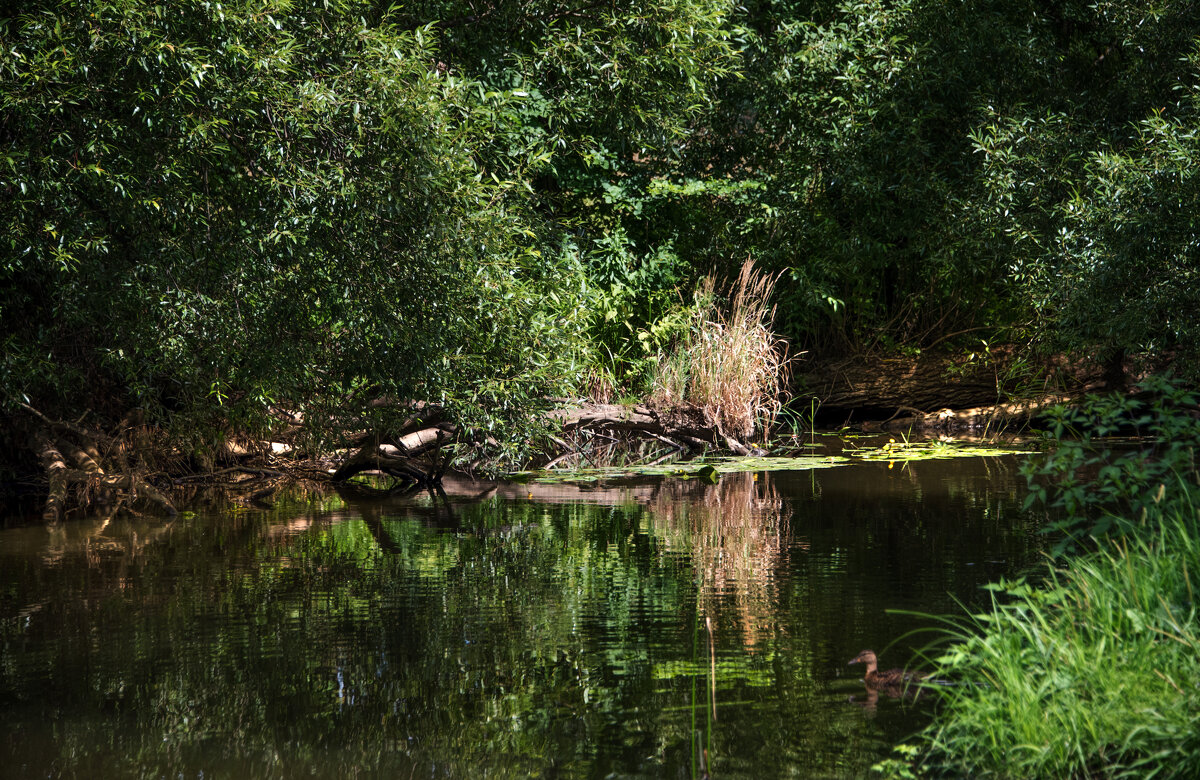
(730, 364)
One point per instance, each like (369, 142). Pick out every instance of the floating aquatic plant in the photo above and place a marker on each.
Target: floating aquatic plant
(932, 450)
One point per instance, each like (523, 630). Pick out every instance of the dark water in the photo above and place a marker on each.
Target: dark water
(521, 631)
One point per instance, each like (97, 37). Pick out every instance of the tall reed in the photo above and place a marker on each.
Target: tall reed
(730, 364)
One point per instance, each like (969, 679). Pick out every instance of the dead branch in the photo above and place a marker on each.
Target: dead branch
(372, 458)
(257, 474)
(681, 426)
(55, 467)
(62, 425)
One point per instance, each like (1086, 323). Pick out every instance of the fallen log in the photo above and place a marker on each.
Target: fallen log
(872, 387)
(400, 458)
(88, 478)
(864, 383)
(684, 427)
(996, 417)
(424, 440)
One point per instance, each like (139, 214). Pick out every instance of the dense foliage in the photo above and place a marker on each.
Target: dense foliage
(1099, 486)
(216, 207)
(213, 207)
(1091, 671)
(926, 170)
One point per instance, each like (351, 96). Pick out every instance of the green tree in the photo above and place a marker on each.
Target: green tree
(614, 93)
(1092, 193)
(924, 169)
(210, 208)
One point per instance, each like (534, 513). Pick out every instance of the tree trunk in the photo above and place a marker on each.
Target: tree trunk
(880, 386)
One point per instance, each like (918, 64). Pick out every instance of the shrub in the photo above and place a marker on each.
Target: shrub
(1100, 485)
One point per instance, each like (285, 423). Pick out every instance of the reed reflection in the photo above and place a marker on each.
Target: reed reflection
(737, 533)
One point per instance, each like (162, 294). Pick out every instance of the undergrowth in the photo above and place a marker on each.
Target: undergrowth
(1093, 671)
(1091, 674)
(1113, 459)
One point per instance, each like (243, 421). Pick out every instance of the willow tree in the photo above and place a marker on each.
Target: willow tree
(216, 210)
(926, 174)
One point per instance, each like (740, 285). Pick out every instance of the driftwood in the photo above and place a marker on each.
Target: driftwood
(402, 457)
(71, 456)
(889, 384)
(980, 419)
(683, 427)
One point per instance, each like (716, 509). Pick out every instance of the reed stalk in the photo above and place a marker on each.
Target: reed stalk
(731, 365)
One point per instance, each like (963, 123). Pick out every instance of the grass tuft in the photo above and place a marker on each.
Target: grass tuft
(1091, 674)
(731, 365)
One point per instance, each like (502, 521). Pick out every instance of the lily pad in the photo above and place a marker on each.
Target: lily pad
(770, 463)
(711, 468)
(708, 469)
(917, 451)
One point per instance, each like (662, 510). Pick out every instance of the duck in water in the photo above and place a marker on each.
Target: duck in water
(888, 680)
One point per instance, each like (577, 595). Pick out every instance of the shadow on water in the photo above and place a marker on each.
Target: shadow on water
(639, 627)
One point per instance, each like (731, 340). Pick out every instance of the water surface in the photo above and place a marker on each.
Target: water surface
(634, 628)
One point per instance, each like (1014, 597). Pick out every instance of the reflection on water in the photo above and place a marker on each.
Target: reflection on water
(633, 629)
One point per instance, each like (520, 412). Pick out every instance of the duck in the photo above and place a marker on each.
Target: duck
(890, 678)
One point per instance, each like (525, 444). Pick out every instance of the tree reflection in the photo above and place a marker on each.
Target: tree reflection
(737, 533)
(616, 629)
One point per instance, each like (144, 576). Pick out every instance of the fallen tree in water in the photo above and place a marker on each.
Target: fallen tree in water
(139, 467)
(136, 466)
(399, 458)
(133, 465)
(87, 466)
(684, 426)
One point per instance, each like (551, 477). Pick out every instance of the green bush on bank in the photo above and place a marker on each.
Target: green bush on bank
(1093, 672)
(212, 210)
(1102, 486)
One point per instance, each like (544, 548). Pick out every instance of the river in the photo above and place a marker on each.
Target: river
(623, 627)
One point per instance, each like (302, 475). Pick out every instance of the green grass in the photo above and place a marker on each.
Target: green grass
(1093, 673)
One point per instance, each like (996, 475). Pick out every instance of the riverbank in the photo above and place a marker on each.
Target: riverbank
(90, 463)
(1091, 672)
